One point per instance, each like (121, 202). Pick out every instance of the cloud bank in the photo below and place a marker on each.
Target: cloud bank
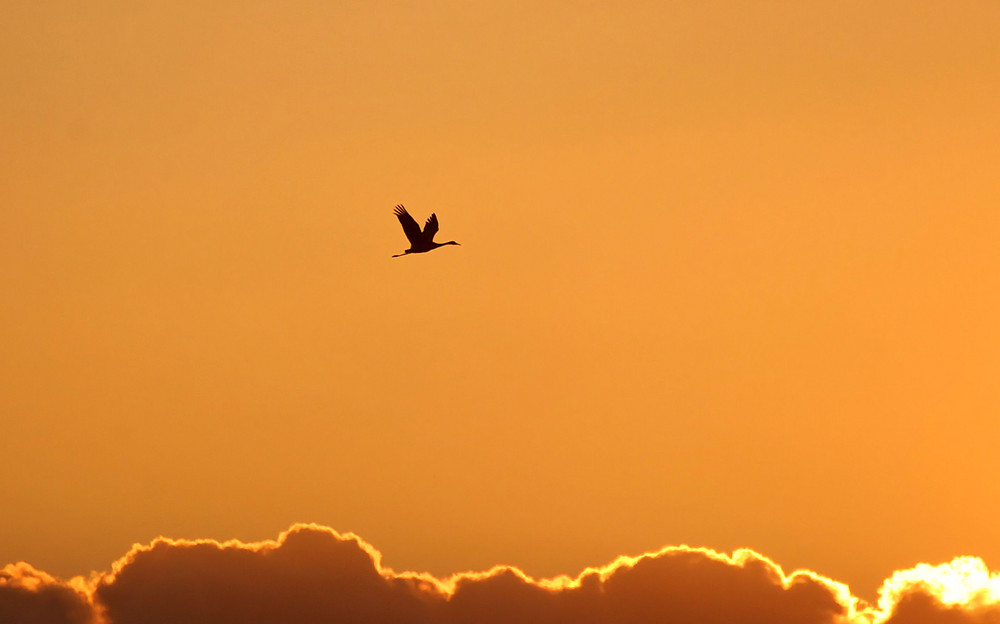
(312, 574)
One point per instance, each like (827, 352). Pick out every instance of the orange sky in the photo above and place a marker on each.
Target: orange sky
(728, 277)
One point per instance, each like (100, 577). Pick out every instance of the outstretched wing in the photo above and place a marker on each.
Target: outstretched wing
(431, 228)
(410, 227)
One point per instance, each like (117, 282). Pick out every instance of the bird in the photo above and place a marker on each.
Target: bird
(420, 242)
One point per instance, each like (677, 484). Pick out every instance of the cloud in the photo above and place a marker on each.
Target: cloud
(678, 584)
(314, 574)
(960, 592)
(311, 574)
(29, 596)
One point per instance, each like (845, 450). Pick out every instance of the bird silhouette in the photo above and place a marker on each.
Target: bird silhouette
(420, 242)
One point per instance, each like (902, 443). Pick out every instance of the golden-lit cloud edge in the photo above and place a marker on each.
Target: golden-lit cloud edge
(312, 573)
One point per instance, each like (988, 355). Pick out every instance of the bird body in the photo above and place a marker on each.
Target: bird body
(420, 242)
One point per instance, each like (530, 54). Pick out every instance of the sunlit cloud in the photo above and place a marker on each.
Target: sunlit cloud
(312, 573)
(961, 591)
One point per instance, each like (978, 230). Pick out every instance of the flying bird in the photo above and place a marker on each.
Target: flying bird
(420, 242)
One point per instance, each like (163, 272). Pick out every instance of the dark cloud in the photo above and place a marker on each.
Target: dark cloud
(918, 607)
(677, 584)
(30, 596)
(310, 575)
(313, 574)
(698, 586)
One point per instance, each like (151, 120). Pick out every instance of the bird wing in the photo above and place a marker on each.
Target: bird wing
(431, 228)
(410, 227)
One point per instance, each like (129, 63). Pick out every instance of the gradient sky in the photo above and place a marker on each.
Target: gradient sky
(729, 277)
